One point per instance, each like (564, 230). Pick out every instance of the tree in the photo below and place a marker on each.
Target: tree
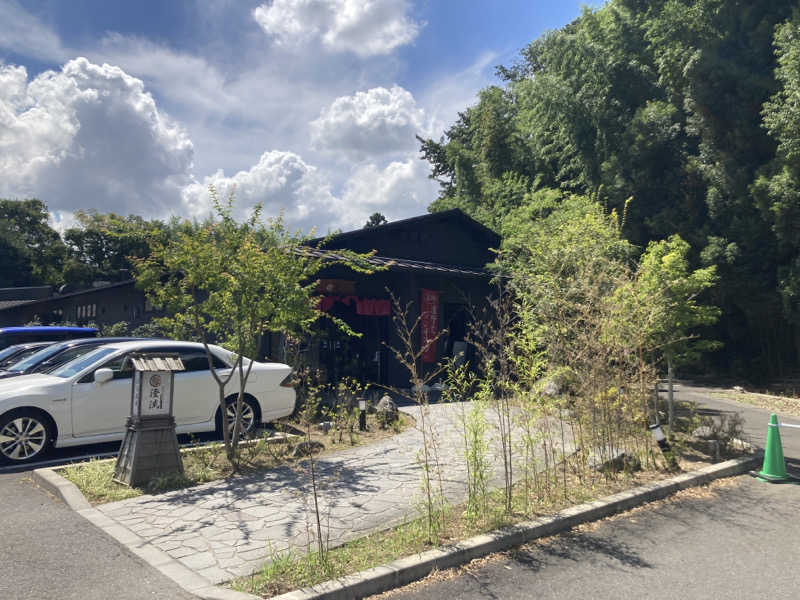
(104, 245)
(233, 283)
(374, 220)
(662, 303)
(32, 251)
(565, 260)
(661, 102)
(777, 188)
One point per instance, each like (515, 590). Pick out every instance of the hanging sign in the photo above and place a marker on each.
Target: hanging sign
(429, 324)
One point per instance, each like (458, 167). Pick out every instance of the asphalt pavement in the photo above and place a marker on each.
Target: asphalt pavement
(744, 542)
(49, 551)
(711, 403)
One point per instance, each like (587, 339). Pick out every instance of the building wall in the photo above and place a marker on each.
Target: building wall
(103, 306)
(456, 295)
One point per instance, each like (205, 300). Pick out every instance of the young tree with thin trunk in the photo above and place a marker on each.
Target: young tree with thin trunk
(232, 283)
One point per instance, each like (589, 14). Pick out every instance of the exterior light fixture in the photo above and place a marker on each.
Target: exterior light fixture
(362, 414)
(659, 437)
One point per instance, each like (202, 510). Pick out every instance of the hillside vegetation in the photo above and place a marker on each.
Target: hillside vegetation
(681, 115)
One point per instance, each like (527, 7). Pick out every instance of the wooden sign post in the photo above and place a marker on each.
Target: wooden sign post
(150, 447)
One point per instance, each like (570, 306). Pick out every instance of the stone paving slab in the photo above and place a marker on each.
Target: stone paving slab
(230, 528)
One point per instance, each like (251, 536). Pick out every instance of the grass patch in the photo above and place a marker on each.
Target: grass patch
(207, 463)
(778, 404)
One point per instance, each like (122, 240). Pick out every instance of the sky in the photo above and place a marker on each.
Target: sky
(309, 107)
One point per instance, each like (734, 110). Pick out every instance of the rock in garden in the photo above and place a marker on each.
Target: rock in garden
(704, 432)
(325, 426)
(306, 448)
(551, 388)
(621, 462)
(386, 411)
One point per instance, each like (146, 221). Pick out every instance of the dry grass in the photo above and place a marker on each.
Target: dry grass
(777, 404)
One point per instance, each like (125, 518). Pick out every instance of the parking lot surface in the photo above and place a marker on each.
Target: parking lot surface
(49, 551)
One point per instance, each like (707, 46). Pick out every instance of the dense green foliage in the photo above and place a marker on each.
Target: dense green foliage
(31, 252)
(687, 107)
(99, 247)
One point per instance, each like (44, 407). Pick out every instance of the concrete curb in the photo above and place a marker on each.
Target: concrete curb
(190, 581)
(61, 488)
(405, 570)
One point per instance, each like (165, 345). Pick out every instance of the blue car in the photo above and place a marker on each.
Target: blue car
(22, 335)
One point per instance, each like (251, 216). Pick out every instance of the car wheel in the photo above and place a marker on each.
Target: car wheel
(25, 435)
(250, 415)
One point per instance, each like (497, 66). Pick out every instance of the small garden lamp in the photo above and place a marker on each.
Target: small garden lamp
(659, 437)
(362, 414)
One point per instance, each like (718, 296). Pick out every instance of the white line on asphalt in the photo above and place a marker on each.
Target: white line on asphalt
(784, 425)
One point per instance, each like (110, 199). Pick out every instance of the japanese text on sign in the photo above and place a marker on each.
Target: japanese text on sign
(156, 391)
(429, 325)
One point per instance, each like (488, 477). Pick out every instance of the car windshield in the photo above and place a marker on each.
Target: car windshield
(79, 364)
(10, 351)
(22, 356)
(24, 361)
(61, 358)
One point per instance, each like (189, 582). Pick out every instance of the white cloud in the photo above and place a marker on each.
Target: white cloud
(401, 189)
(280, 181)
(363, 27)
(184, 79)
(375, 122)
(89, 136)
(24, 34)
(61, 220)
(95, 136)
(284, 182)
(449, 95)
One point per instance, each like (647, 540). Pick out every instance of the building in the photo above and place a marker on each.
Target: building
(433, 263)
(103, 304)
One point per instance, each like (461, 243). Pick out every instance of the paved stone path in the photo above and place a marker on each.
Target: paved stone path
(226, 529)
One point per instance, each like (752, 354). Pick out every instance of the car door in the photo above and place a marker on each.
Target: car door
(102, 408)
(196, 395)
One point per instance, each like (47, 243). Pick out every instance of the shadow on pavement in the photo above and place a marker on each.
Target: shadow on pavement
(578, 547)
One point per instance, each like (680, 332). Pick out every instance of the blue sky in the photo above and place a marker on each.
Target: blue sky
(307, 106)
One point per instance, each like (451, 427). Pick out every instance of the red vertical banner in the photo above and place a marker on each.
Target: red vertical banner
(429, 324)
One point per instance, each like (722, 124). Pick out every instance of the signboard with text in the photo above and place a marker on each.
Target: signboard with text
(429, 324)
(152, 393)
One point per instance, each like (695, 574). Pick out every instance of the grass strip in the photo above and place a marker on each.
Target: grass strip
(776, 404)
(206, 463)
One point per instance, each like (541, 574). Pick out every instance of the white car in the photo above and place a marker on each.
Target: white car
(87, 400)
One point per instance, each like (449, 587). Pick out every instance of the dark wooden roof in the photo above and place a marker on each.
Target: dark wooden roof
(25, 293)
(403, 264)
(11, 304)
(445, 238)
(452, 215)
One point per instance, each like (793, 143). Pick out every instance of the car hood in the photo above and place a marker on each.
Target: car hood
(6, 374)
(25, 384)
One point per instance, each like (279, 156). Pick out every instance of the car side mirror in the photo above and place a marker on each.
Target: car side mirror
(103, 375)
